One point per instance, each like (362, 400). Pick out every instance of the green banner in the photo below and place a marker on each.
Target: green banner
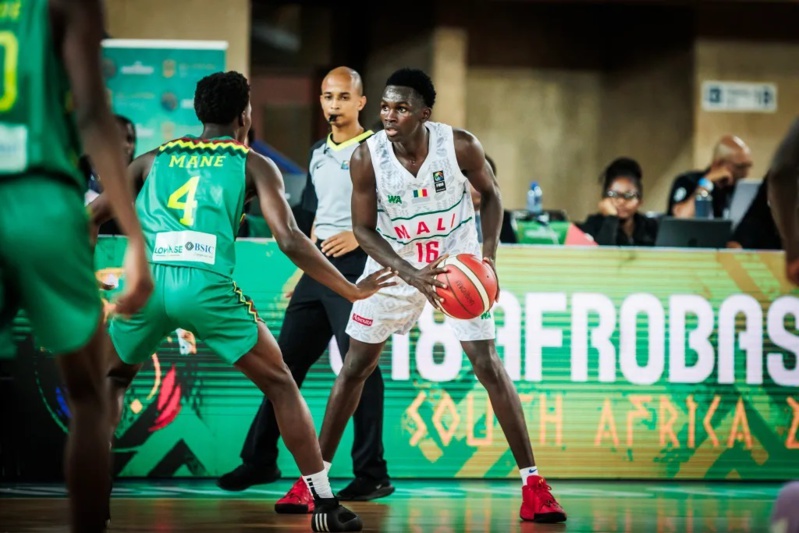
(152, 83)
(629, 363)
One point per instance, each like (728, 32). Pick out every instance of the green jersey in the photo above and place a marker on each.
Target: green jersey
(37, 128)
(191, 204)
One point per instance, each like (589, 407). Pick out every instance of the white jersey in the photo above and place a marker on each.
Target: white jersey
(422, 217)
(430, 214)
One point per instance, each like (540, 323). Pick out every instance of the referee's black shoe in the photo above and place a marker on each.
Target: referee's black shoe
(363, 489)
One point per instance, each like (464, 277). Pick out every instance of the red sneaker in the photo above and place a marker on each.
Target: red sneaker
(538, 504)
(298, 500)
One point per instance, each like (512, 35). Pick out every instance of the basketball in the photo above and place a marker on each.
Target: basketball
(471, 287)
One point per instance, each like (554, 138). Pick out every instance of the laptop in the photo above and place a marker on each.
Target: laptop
(693, 233)
(745, 192)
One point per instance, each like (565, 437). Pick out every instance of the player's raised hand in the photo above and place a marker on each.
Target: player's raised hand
(425, 281)
(373, 283)
(138, 281)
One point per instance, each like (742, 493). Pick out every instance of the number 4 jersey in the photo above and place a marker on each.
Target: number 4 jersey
(37, 129)
(191, 204)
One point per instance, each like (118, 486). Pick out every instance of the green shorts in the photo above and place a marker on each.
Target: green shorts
(205, 303)
(46, 261)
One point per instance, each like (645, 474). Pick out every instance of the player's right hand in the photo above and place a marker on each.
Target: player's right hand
(425, 281)
(373, 283)
(138, 281)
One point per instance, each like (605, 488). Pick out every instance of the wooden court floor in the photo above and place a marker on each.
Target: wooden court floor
(417, 506)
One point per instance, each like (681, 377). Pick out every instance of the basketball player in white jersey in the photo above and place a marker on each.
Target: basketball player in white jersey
(411, 207)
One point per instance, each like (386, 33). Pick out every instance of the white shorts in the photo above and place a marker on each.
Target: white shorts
(396, 309)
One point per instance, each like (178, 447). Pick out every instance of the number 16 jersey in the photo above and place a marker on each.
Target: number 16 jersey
(430, 214)
(191, 203)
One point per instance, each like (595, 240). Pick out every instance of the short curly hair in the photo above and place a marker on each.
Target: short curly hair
(417, 80)
(221, 97)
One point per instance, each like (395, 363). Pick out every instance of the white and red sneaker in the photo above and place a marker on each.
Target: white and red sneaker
(538, 503)
(298, 500)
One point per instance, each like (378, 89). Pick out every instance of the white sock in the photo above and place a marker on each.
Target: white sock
(527, 472)
(319, 485)
(327, 466)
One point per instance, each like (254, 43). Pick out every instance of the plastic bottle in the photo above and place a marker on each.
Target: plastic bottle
(704, 199)
(535, 201)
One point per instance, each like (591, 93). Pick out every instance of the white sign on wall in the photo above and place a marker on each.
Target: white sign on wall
(739, 96)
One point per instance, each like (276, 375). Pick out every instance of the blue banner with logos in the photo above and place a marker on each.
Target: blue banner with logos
(152, 82)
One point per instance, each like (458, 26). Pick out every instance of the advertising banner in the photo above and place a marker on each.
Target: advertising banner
(152, 82)
(629, 363)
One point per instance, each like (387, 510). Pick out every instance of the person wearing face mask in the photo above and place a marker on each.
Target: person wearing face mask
(618, 222)
(315, 314)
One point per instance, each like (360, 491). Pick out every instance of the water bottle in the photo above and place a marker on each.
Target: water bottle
(704, 199)
(535, 201)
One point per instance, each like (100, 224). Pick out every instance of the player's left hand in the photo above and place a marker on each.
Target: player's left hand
(339, 244)
(490, 262)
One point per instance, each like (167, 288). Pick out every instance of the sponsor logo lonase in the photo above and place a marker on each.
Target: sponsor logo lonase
(361, 320)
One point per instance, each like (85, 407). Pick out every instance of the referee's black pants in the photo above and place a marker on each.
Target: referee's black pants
(314, 315)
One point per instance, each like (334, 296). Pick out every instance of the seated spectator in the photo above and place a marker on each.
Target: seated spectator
(618, 222)
(731, 163)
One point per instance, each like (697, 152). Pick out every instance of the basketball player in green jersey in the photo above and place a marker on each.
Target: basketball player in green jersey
(50, 56)
(190, 205)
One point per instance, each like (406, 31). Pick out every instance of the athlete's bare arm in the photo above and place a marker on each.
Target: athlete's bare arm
(783, 196)
(78, 30)
(472, 161)
(137, 172)
(268, 182)
(364, 224)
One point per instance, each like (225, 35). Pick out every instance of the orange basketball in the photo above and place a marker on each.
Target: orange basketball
(471, 286)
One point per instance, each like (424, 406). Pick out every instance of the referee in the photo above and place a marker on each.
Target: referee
(315, 313)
